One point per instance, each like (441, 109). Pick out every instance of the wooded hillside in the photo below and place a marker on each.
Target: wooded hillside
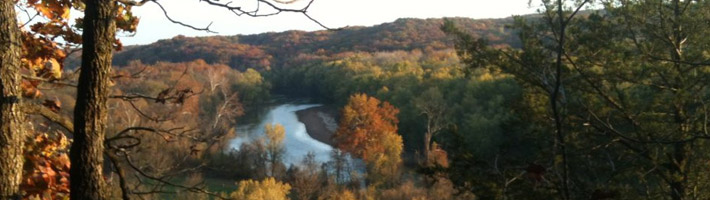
(277, 50)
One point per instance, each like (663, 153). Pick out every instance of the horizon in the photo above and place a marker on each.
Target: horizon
(283, 31)
(154, 26)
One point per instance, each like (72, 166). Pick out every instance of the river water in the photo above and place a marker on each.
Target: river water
(297, 143)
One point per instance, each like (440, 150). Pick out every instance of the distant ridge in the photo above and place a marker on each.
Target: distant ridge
(276, 49)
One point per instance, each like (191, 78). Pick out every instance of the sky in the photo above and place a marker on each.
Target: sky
(332, 13)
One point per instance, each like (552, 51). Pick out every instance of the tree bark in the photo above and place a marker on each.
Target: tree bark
(678, 170)
(427, 146)
(90, 113)
(11, 129)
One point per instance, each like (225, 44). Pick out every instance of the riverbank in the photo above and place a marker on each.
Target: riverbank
(320, 122)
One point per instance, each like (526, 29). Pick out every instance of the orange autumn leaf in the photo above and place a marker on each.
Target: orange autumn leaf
(53, 9)
(29, 89)
(46, 172)
(364, 120)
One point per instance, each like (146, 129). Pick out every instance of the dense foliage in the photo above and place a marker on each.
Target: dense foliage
(607, 104)
(213, 50)
(625, 91)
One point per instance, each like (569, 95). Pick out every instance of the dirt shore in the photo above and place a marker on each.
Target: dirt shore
(320, 122)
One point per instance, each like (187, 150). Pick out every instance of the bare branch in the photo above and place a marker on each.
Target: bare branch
(155, 119)
(133, 75)
(121, 175)
(132, 97)
(30, 18)
(50, 115)
(56, 82)
(569, 18)
(163, 181)
(165, 12)
(237, 10)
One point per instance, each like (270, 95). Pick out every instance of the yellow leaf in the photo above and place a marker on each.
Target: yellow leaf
(35, 64)
(44, 10)
(65, 13)
(56, 69)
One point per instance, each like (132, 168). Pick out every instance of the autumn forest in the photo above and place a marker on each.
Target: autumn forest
(585, 99)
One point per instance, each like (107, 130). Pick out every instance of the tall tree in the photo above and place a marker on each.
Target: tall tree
(650, 94)
(383, 169)
(11, 125)
(29, 57)
(275, 135)
(431, 103)
(90, 113)
(541, 64)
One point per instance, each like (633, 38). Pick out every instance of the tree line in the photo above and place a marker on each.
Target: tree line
(282, 50)
(601, 104)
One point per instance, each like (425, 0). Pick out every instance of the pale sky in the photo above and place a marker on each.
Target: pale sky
(333, 13)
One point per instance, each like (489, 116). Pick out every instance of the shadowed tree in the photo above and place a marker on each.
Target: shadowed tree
(540, 63)
(90, 112)
(30, 57)
(627, 94)
(651, 94)
(304, 178)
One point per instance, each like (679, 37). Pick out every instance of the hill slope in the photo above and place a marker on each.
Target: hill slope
(276, 50)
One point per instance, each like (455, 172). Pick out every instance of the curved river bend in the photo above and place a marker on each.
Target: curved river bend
(297, 142)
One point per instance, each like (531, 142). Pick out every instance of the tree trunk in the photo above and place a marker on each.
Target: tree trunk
(90, 113)
(11, 129)
(679, 173)
(427, 146)
(560, 142)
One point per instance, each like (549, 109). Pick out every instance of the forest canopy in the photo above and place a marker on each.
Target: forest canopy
(584, 100)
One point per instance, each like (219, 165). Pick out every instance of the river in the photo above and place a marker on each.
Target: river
(297, 143)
